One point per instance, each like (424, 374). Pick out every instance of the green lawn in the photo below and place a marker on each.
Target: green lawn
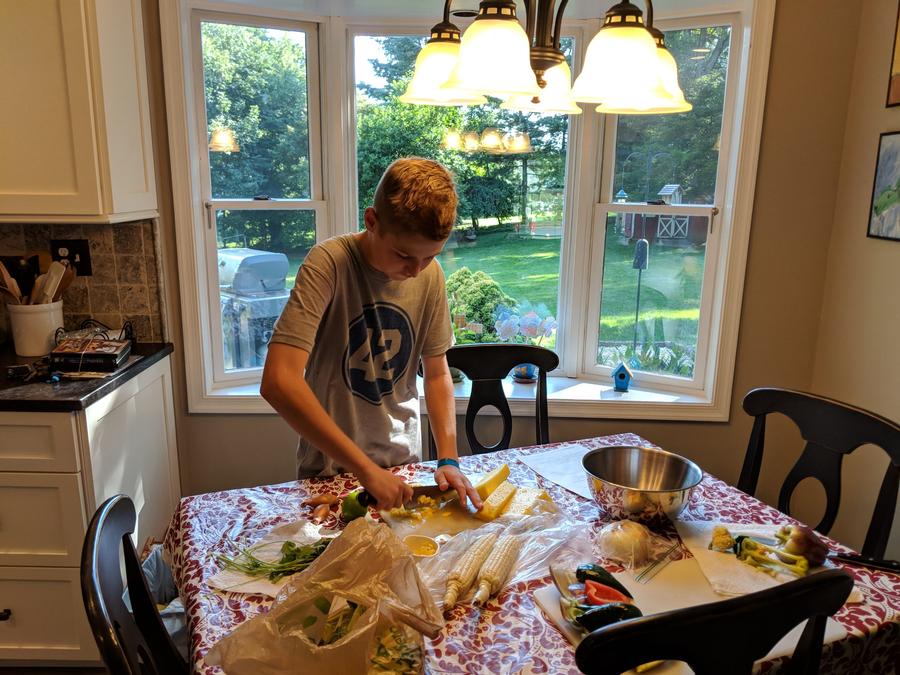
(528, 270)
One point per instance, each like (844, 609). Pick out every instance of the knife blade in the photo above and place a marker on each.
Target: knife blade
(866, 561)
(430, 491)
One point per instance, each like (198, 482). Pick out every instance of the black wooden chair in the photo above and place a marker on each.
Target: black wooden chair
(486, 365)
(723, 637)
(831, 430)
(130, 643)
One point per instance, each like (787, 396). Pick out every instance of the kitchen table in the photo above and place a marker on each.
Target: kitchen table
(510, 634)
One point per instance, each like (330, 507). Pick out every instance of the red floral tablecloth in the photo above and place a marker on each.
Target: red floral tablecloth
(509, 635)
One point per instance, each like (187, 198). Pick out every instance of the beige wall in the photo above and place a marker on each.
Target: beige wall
(794, 206)
(859, 333)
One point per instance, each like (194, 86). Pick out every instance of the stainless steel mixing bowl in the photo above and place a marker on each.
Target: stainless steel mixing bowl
(640, 483)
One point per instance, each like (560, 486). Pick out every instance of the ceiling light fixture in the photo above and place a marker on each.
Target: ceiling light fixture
(222, 140)
(668, 99)
(627, 70)
(434, 64)
(490, 141)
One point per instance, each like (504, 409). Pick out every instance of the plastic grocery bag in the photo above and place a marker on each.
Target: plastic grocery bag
(539, 537)
(361, 607)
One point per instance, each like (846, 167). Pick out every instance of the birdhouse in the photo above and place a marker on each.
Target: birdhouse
(622, 377)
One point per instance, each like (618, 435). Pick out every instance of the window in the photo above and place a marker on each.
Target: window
(652, 230)
(632, 248)
(260, 176)
(502, 261)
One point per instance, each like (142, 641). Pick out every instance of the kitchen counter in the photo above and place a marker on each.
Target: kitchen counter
(69, 395)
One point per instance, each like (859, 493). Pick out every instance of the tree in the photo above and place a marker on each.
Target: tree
(255, 83)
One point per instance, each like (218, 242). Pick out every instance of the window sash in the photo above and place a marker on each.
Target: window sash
(712, 294)
(212, 346)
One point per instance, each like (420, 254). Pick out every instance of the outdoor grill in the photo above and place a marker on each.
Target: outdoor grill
(252, 294)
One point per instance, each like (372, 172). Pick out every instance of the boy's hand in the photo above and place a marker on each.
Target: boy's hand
(450, 477)
(389, 490)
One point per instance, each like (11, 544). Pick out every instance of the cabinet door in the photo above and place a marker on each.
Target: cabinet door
(47, 620)
(48, 157)
(42, 520)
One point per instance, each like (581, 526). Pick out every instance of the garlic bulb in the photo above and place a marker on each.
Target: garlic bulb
(625, 542)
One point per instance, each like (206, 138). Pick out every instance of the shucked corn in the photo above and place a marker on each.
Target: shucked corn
(497, 567)
(497, 501)
(467, 567)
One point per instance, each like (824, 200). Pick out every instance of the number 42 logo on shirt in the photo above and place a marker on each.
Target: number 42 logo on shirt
(378, 351)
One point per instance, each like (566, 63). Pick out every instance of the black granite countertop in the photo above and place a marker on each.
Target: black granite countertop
(68, 395)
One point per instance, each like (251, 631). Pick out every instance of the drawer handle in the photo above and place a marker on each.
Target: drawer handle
(5, 614)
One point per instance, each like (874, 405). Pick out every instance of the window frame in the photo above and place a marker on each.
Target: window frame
(214, 346)
(577, 394)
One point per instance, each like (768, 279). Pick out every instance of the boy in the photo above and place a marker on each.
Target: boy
(364, 309)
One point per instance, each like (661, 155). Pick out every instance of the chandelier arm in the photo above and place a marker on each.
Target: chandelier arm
(447, 4)
(543, 31)
(649, 4)
(557, 26)
(530, 19)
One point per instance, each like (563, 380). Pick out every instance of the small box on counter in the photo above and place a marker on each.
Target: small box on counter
(91, 354)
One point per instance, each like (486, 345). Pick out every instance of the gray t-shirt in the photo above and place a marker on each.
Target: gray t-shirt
(364, 334)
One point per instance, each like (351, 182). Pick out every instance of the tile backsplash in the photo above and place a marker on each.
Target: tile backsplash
(124, 285)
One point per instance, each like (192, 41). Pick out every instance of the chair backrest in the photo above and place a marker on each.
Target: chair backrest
(486, 365)
(726, 636)
(831, 430)
(130, 643)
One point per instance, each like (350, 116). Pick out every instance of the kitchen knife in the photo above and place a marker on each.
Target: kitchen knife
(431, 491)
(866, 561)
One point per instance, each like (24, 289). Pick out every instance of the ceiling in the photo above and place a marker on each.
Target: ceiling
(432, 9)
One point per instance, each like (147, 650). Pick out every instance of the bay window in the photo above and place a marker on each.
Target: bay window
(624, 236)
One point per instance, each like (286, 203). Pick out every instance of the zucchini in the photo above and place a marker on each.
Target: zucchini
(603, 615)
(600, 575)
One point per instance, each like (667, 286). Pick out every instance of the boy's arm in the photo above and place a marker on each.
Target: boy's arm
(442, 421)
(284, 387)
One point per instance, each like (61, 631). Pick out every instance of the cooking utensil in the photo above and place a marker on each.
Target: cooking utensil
(10, 284)
(430, 491)
(866, 561)
(51, 283)
(66, 281)
(13, 298)
(37, 289)
(640, 483)
(656, 566)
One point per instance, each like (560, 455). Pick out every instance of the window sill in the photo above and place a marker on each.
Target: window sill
(567, 397)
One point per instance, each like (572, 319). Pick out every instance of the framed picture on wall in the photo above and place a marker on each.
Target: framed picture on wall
(884, 212)
(893, 97)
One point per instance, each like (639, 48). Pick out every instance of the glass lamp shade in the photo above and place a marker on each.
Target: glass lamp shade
(494, 60)
(620, 68)
(555, 97)
(669, 100)
(491, 140)
(222, 140)
(434, 64)
(453, 140)
(470, 141)
(518, 144)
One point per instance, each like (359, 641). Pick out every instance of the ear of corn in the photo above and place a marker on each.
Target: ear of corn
(497, 567)
(492, 481)
(493, 506)
(462, 576)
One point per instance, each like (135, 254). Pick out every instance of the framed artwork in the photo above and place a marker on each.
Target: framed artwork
(893, 97)
(884, 213)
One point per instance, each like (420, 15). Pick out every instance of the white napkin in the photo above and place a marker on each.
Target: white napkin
(562, 465)
(726, 574)
(301, 532)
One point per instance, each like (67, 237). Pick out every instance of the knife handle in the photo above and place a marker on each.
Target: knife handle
(365, 499)
(866, 561)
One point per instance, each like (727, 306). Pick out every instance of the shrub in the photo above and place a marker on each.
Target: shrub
(476, 295)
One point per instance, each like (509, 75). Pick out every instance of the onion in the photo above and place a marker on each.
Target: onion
(625, 542)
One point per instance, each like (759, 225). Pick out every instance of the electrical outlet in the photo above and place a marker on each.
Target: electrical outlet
(76, 251)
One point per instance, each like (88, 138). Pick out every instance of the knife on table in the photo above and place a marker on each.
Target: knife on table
(431, 491)
(866, 561)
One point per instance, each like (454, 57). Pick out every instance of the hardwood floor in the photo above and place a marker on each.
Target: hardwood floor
(51, 671)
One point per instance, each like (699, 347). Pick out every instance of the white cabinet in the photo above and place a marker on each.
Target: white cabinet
(76, 145)
(55, 469)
